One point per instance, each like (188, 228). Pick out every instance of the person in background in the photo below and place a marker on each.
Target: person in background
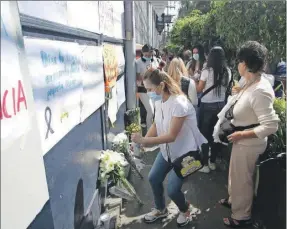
(199, 60)
(280, 80)
(194, 75)
(164, 55)
(190, 66)
(211, 104)
(253, 107)
(196, 60)
(175, 125)
(187, 55)
(178, 72)
(162, 65)
(156, 55)
(142, 64)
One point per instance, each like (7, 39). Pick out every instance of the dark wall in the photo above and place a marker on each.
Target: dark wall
(44, 219)
(72, 159)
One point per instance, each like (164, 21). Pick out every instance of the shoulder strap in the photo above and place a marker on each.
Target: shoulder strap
(228, 91)
(210, 88)
(185, 85)
(166, 145)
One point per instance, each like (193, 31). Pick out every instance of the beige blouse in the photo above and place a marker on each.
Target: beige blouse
(256, 106)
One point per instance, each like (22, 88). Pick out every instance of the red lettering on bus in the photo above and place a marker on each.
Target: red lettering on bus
(21, 98)
(6, 115)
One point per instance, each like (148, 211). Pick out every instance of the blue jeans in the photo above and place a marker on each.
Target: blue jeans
(156, 177)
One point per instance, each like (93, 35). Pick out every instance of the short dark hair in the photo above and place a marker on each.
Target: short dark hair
(254, 55)
(147, 48)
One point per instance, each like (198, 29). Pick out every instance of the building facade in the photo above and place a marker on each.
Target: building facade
(145, 22)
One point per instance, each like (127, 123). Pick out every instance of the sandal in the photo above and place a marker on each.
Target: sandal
(233, 223)
(225, 203)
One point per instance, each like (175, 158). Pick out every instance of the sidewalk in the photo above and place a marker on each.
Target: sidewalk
(202, 190)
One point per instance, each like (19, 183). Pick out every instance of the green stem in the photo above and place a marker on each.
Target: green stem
(131, 189)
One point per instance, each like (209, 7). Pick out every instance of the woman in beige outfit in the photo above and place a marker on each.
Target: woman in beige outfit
(254, 105)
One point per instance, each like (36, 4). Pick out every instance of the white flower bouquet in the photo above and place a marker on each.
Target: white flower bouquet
(121, 144)
(111, 167)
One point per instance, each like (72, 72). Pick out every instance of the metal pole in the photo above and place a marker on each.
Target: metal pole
(130, 54)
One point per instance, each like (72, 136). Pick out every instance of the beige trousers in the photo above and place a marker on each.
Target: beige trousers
(241, 179)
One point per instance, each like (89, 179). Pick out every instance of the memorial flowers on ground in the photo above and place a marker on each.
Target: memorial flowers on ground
(121, 145)
(111, 167)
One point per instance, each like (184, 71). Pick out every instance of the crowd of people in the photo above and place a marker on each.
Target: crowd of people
(193, 104)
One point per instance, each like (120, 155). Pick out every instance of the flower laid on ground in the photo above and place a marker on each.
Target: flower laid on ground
(111, 167)
(121, 144)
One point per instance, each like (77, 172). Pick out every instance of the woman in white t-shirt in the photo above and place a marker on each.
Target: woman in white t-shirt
(175, 124)
(211, 104)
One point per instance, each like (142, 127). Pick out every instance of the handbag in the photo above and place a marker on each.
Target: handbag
(227, 128)
(187, 164)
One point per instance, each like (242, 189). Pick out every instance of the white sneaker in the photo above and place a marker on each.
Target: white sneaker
(184, 217)
(211, 165)
(155, 215)
(205, 169)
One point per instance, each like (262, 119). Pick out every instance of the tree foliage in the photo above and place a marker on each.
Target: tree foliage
(188, 6)
(231, 23)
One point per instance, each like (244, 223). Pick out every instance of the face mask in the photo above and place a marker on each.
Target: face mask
(147, 58)
(153, 96)
(196, 56)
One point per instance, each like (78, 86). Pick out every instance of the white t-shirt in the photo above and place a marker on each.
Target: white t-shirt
(212, 97)
(142, 66)
(192, 93)
(189, 137)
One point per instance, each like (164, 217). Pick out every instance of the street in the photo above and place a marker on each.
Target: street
(202, 190)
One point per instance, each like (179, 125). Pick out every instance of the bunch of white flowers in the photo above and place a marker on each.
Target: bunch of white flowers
(120, 138)
(121, 145)
(111, 165)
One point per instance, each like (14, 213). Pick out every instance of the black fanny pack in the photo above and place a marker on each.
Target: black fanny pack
(227, 128)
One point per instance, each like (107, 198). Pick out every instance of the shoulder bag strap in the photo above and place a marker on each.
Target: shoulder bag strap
(229, 87)
(209, 89)
(166, 145)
